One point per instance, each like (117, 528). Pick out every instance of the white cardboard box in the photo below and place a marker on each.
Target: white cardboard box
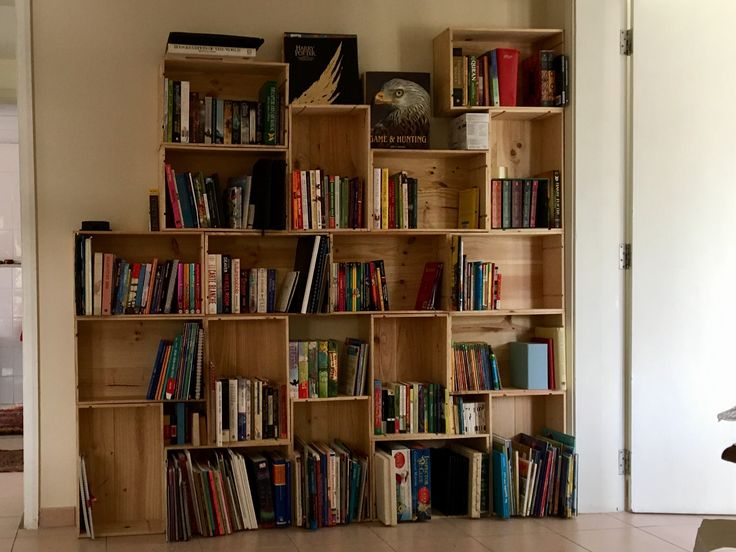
(469, 131)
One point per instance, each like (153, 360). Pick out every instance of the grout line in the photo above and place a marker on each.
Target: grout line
(567, 538)
(644, 529)
(483, 545)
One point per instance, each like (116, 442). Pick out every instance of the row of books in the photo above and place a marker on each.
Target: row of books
(318, 370)
(477, 284)
(469, 416)
(526, 203)
(359, 286)
(332, 484)
(177, 370)
(221, 492)
(249, 410)
(249, 201)
(234, 290)
(320, 201)
(395, 199)
(535, 476)
(409, 407)
(184, 424)
(190, 117)
(496, 78)
(475, 367)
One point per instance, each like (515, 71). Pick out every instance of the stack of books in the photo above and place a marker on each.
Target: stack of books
(409, 407)
(320, 201)
(317, 369)
(477, 284)
(177, 370)
(249, 410)
(332, 484)
(190, 117)
(475, 367)
(359, 286)
(526, 203)
(395, 200)
(535, 476)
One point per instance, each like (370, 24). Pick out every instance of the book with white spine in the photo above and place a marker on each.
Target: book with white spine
(184, 112)
(235, 286)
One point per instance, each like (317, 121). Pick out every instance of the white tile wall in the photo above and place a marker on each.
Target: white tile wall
(11, 291)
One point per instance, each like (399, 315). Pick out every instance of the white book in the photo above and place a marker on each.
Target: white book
(297, 506)
(184, 112)
(218, 414)
(235, 286)
(310, 274)
(262, 290)
(233, 404)
(97, 285)
(206, 50)
(377, 197)
(319, 204)
(306, 210)
(404, 203)
(147, 268)
(385, 488)
(211, 283)
(251, 216)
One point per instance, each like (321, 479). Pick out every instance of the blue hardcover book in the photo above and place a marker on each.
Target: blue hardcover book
(354, 490)
(478, 285)
(501, 505)
(281, 503)
(271, 297)
(421, 484)
(156, 373)
(139, 289)
(181, 429)
(123, 286)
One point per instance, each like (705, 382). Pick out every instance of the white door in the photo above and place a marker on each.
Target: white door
(684, 255)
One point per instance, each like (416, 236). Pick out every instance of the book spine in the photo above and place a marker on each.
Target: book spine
(208, 120)
(176, 116)
(457, 77)
(184, 112)
(269, 100)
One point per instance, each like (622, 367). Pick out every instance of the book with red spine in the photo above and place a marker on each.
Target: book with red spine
(283, 395)
(219, 527)
(508, 69)
(341, 302)
(432, 272)
(296, 201)
(173, 196)
(392, 200)
(533, 214)
(180, 293)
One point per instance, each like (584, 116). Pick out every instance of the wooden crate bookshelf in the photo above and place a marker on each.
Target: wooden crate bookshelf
(115, 354)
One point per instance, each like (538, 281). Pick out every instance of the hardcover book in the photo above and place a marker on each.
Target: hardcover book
(323, 68)
(400, 109)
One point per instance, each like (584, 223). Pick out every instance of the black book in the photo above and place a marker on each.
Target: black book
(302, 259)
(268, 194)
(260, 486)
(316, 293)
(225, 401)
(542, 204)
(213, 200)
(79, 274)
(209, 39)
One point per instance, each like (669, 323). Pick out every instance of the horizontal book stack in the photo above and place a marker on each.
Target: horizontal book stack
(108, 285)
(535, 476)
(320, 201)
(190, 117)
(477, 284)
(221, 492)
(177, 370)
(234, 290)
(359, 286)
(403, 483)
(469, 416)
(332, 484)
(474, 367)
(526, 203)
(317, 369)
(395, 199)
(409, 407)
(249, 410)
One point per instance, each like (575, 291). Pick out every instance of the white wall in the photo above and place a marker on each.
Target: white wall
(599, 228)
(95, 92)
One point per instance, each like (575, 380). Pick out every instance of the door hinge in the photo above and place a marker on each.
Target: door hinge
(624, 256)
(624, 462)
(626, 42)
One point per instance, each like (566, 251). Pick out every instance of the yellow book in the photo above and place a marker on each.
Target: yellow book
(467, 209)
(384, 198)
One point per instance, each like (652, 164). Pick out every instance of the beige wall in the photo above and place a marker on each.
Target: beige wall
(96, 76)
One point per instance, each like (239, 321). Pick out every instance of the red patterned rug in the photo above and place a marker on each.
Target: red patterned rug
(11, 460)
(11, 420)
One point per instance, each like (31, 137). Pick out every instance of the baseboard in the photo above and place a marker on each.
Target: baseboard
(57, 517)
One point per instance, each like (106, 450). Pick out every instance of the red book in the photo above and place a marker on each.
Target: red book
(508, 69)
(151, 286)
(219, 529)
(296, 201)
(181, 293)
(173, 196)
(431, 274)
(197, 288)
(341, 304)
(374, 286)
(496, 204)
(392, 201)
(533, 214)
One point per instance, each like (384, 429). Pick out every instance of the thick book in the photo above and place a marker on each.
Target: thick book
(260, 482)
(430, 283)
(508, 68)
(467, 211)
(214, 45)
(421, 483)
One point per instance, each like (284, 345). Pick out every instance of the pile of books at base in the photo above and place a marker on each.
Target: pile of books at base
(477, 284)
(474, 367)
(249, 410)
(526, 202)
(317, 369)
(395, 199)
(469, 416)
(177, 370)
(413, 480)
(194, 118)
(197, 201)
(234, 290)
(332, 484)
(106, 284)
(409, 407)
(359, 286)
(320, 201)
(220, 492)
(535, 476)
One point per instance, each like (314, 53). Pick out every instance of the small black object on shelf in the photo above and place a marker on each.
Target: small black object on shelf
(95, 226)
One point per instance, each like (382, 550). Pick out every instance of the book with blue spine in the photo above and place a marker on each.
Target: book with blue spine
(501, 502)
(421, 485)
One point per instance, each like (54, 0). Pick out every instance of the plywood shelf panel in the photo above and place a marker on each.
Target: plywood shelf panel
(425, 437)
(256, 443)
(240, 149)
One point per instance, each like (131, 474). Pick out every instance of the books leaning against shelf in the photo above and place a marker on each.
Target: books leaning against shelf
(535, 476)
(320, 201)
(109, 285)
(475, 367)
(249, 409)
(477, 284)
(429, 287)
(332, 484)
(359, 286)
(410, 407)
(190, 117)
(177, 370)
(527, 203)
(395, 200)
(317, 369)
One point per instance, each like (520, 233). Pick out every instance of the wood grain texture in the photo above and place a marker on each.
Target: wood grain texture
(527, 414)
(347, 421)
(527, 147)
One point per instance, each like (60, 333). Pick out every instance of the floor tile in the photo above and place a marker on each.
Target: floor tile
(583, 522)
(629, 539)
(437, 528)
(657, 520)
(498, 527)
(59, 544)
(679, 535)
(6, 545)
(530, 542)
(264, 539)
(347, 535)
(9, 526)
(151, 543)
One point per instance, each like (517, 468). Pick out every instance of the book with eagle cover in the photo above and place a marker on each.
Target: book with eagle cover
(400, 109)
(323, 68)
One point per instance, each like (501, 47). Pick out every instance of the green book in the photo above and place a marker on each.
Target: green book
(472, 80)
(506, 204)
(323, 370)
(333, 374)
(269, 101)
